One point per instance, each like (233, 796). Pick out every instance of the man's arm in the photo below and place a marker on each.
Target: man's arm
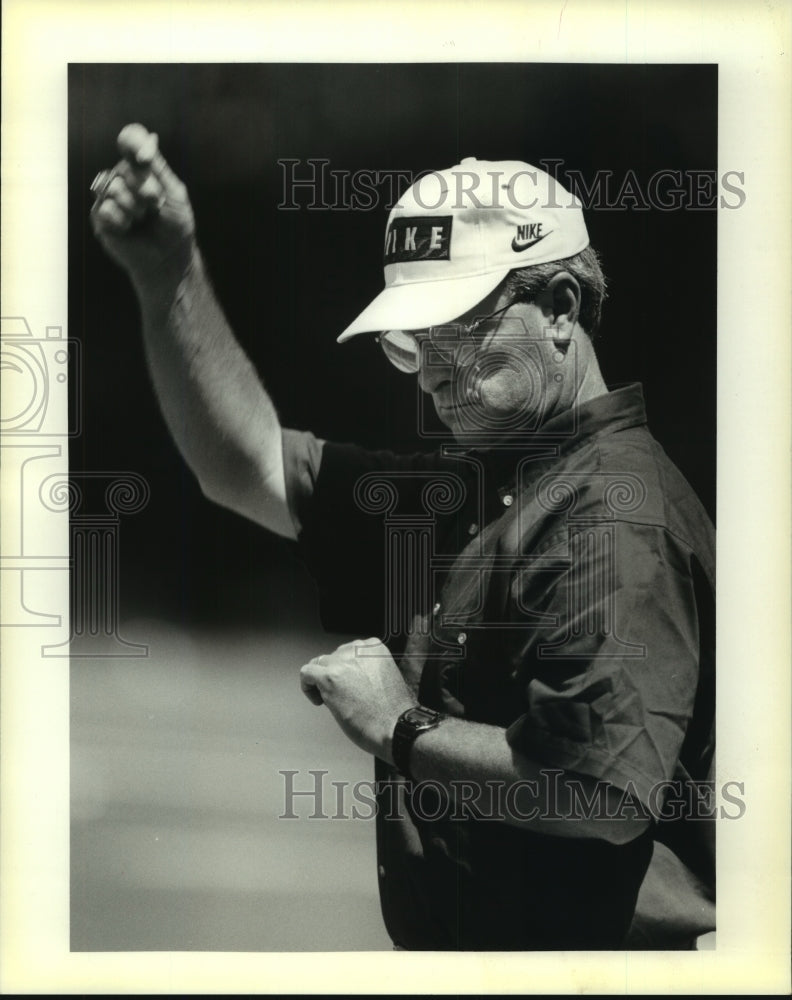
(500, 781)
(366, 693)
(211, 396)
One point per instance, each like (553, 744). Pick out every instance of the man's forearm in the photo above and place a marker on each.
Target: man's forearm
(211, 396)
(367, 694)
(474, 763)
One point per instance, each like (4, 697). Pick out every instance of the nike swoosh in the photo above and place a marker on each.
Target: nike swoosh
(517, 245)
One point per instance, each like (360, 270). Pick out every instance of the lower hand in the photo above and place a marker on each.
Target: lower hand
(363, 688)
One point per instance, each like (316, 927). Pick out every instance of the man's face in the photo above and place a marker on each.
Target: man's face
(505, 375)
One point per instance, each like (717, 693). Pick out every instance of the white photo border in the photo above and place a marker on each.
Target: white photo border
(750, 44)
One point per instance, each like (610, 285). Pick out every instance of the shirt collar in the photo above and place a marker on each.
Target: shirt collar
(621, 407)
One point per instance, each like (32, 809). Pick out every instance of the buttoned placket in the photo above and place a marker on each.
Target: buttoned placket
(497, 501)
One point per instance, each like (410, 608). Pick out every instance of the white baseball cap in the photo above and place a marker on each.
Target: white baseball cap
(455, 234)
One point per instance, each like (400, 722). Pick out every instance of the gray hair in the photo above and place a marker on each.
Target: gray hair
(528, 282)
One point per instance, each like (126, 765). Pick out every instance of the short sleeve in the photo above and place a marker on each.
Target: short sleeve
(333, 491)
(610, 686)
(302, 458)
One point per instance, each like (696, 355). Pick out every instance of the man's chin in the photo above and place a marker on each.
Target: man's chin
(463, 419)
(473, 423)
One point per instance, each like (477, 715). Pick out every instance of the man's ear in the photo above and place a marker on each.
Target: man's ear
(560, 303)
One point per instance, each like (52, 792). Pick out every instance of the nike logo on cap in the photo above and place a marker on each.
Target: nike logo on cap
(528, 236)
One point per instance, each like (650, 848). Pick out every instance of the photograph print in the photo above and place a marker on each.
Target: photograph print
(392, 506)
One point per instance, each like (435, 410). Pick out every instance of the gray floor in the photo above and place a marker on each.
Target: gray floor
(176, 838)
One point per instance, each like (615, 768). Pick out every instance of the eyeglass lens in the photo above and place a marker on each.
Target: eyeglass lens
(450, 344)
(445, 345)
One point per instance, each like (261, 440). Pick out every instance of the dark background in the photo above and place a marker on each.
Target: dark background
(290, 281)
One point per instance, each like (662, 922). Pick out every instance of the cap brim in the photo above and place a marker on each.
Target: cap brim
(419, 304)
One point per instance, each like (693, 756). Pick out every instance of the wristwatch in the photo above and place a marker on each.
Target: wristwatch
(409, 727)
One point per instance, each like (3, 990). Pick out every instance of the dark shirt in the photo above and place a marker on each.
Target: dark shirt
(560, 587)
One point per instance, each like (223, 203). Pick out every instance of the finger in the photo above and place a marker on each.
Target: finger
(312, 694)
(118, 191)
(136, 144)
(111, 216)
(141, 182)
(171, 184)
(308, 683)
(140, 149)
(314, 670)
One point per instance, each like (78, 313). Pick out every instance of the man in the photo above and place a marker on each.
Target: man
(539, 688)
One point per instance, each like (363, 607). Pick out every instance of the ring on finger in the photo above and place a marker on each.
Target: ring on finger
(101, 183)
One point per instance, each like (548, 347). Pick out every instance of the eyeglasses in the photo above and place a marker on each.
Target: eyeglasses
(453, 343)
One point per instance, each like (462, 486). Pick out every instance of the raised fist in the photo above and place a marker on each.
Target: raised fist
(142, 215)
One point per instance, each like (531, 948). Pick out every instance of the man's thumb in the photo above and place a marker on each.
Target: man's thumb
(137, 145)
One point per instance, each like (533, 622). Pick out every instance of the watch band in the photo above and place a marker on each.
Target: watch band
(408, 728)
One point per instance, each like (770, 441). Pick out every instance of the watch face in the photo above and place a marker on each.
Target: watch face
(420, 716)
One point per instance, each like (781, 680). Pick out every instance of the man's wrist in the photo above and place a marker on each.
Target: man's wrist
(411, 724)
(160, 287)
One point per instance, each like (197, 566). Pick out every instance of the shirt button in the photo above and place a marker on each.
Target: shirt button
(473, 529)
(508, 500)
(462, 638)
(381, 871)
(436, 608)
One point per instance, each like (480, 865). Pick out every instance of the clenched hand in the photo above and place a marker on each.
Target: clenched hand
(363, 688)
(142, 214)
